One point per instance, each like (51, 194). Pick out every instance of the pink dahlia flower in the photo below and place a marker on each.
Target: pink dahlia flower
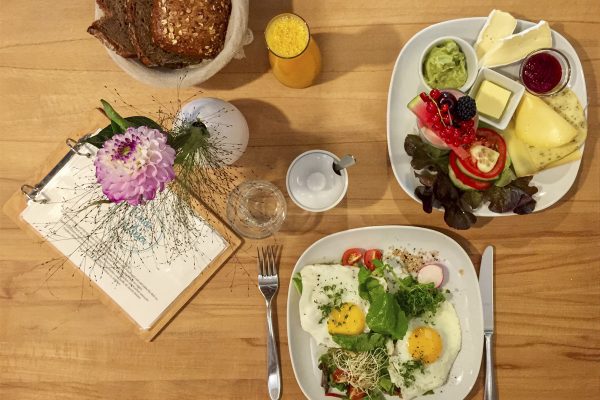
(135, 165)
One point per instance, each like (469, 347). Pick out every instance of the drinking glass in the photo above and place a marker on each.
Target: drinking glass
(256, 209)
(293, 53)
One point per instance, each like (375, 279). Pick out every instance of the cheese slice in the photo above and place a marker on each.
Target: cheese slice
(515, 47)
(537, 124)
(542, 157)
(574, 156)
(499, 24)
(518, 152)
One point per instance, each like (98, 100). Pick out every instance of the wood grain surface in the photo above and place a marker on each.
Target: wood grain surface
(58, 341)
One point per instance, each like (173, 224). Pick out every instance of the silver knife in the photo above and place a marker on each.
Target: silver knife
(486, 286)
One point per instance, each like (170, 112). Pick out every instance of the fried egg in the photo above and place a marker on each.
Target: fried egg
(330, 303)
(424, 357)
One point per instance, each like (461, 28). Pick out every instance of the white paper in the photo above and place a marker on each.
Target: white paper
(149, 282)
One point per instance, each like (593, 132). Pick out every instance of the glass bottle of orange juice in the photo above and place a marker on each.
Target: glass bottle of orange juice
(293, 54)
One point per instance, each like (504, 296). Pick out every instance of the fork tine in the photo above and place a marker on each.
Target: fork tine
(273, 270)
(258, 267)
(274, 250)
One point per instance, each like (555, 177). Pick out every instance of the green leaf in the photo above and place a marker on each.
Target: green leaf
(115, 116)
(297, 280)
(113, 129)
(188, 143)
(386, 384)
(417, 298)
(362, 342)
(385, 315)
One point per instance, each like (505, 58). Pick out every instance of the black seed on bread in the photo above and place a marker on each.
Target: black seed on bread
(191, 28)
(111, 29)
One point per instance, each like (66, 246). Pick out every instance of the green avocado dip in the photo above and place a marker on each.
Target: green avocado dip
(445, 66)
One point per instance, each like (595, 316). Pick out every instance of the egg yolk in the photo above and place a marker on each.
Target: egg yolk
(348, 319)
(425, 344)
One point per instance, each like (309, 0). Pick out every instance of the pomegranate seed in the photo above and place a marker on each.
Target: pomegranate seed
(435, 94)
(424, 97)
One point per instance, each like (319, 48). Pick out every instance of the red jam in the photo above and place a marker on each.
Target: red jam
(541, 73)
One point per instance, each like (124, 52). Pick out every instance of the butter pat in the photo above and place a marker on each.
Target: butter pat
(491, 99)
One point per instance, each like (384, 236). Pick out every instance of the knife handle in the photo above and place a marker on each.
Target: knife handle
(490, 390)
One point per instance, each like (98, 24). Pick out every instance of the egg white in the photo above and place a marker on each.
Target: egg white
(314, 279)
(445, 321)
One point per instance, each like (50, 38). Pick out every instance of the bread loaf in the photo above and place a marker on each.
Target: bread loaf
(111, 29)
(191, 28)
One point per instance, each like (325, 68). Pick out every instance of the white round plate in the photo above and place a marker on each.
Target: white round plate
(553, 183)
(462, 283)
(237, 36)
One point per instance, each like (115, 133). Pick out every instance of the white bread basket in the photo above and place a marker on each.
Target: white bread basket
(238, 35)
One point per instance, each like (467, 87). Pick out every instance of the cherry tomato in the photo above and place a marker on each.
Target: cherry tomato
(370, 255)
(352, 256)
(355, 394)
(490, 139)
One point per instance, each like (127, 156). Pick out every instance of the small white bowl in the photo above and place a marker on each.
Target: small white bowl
(515, 88)
(470, 58)
(313, 184)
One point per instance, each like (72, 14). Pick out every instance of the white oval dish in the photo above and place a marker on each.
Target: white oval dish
(238, 35)
(553, 183)
(461, 281)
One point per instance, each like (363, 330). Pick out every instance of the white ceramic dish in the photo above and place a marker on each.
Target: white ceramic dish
(553, 184)
(462, 282)
(470, 59)
(313, 184)
(515, 88)
(238, 35)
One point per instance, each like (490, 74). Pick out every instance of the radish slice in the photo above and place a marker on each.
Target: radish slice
(432, 273)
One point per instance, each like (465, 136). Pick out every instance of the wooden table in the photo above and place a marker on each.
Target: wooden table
(57, 341)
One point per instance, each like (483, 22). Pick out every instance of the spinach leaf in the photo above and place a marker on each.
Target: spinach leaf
(362, 342)
(385, 315)
(297, 280)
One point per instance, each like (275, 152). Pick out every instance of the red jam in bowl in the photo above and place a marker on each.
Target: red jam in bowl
(541, 73)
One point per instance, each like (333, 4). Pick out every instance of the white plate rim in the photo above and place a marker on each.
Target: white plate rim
(478, 320)
(570, 169)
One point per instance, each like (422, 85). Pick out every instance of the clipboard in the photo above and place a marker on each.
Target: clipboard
(20, 200)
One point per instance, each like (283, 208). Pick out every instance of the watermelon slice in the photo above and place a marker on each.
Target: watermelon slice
(426, 129)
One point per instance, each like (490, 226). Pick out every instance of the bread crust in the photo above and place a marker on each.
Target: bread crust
(191, 28)
(109, 28)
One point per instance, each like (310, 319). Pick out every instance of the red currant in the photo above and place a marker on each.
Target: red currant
(431, 108)
(456, 142)
(445, 107)
(424, 97)
(435, 94)
(437, 127)
(465, 140)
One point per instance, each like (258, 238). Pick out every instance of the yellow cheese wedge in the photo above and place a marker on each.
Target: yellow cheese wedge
(515, 47)
(537, 124)
(543, 156)
(519, 152)
(499, 24)
(574, 156)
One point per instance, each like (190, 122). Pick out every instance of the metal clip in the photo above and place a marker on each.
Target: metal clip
(74, 145)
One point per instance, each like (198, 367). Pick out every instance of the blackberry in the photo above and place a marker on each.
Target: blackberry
(465, 108)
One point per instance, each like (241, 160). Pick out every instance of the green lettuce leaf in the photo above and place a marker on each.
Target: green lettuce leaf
(362, 342)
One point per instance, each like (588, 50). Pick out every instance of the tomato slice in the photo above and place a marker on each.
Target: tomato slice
(352, 256)
(339, 376)
(490, 139)
(466, 180)
(355, 394)
(370, 255)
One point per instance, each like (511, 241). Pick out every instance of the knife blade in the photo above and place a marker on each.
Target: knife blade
(486, 287)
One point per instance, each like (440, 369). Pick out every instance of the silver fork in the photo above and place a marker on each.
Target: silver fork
(268, 283)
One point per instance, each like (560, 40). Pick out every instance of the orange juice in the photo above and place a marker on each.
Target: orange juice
(293, 54)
